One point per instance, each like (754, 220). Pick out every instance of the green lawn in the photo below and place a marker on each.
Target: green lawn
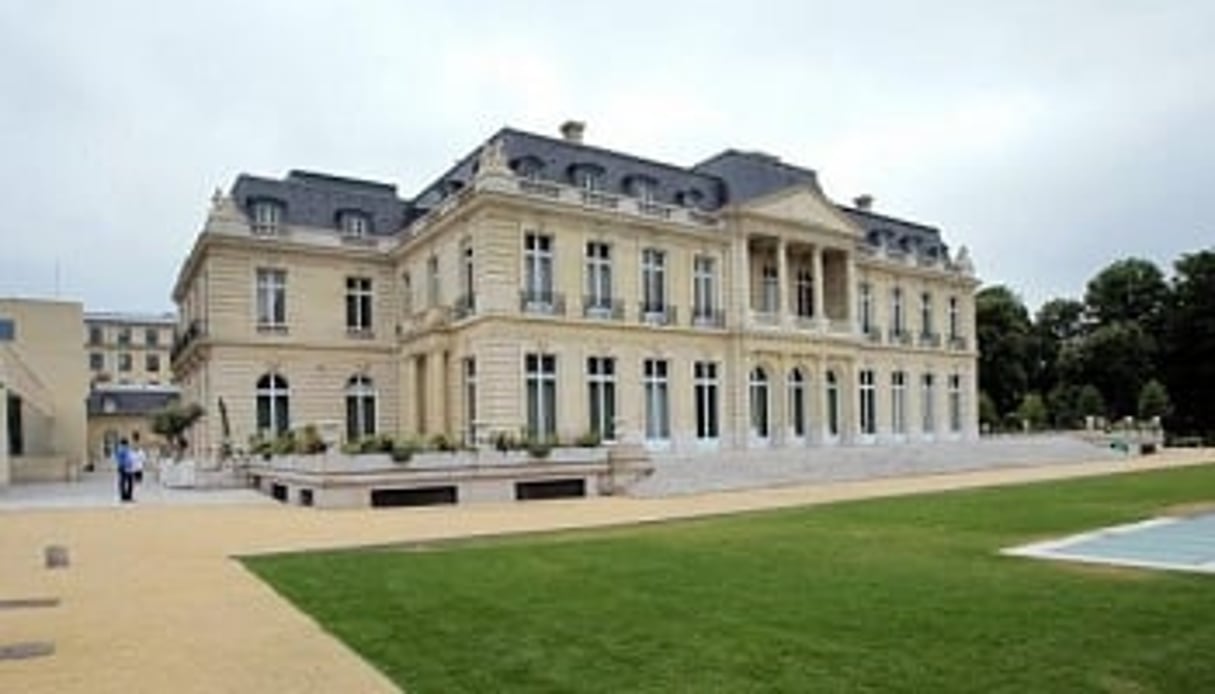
(891, 595)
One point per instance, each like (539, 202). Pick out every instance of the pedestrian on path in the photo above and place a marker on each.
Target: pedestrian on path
(139, 457)
(126, 475)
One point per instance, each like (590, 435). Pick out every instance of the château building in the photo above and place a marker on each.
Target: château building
(546, 287)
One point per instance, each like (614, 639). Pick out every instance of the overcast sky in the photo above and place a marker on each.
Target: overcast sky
(1050, 138)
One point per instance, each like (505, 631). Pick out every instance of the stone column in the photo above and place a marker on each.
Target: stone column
(850, 309)
(820, 313)
(782, 284)
(740, 305)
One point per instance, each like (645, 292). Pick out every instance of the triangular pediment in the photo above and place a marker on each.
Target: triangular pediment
(802, 205)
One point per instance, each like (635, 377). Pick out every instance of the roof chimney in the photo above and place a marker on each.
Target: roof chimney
(571, 131)
(863, 202)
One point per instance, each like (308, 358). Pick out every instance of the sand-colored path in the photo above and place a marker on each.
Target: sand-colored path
(153, 600)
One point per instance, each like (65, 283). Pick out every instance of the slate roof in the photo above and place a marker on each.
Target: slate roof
(898, 235)
(316, 199)
(129, 401)
(729, 178)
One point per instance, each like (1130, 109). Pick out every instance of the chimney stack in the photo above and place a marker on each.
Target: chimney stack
(863, 202)
(571, 131)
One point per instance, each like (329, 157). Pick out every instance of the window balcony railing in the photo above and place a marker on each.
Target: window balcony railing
(872, 334)
(655, 314)
(534, 187)
(272, 328)
(193, 332)
(928, 339)
(604, 308)
(806, 322)
(765, 317)
(704, 317)
(542, 302)
(360, 332)
(957, 342)
(465, 306)
(899, 336)
(591, 197)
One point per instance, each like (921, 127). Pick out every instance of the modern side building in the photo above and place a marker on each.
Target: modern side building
(43, 385)
(546, 286)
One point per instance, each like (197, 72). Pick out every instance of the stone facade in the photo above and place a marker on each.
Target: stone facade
(725, 305)
(129, 349)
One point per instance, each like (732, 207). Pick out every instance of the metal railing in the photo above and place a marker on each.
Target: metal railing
(542, 302)
(605, 308)
(656, 315)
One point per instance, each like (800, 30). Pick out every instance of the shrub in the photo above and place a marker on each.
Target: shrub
(310, 442)
(402, 453)
(369, 445)
(590, 439)
(504, 442)
(539, 449)
(352, 447)
(384, 443)
(284, 444)
(441, 442)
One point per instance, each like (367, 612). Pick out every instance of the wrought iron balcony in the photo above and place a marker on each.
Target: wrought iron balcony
(466, 305)
(605, 308)
(872, 334)
(957, 342)
(542, 302)
(703, 317)
(930, 339)
(655, 314)
(899, 336)
(193, 332)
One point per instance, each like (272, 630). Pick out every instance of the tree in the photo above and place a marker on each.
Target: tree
(1003, 330)
(1058, 323)
(174, 421)
(1117, 359)
(1089, 402)
(1189, 344)
(1153, 400)
(1130, 290)
(1033, 411)
(1063, 402)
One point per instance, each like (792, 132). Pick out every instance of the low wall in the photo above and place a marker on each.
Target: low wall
(41, 468)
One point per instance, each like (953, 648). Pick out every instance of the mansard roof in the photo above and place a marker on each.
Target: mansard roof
(729, 178)
(317, 199)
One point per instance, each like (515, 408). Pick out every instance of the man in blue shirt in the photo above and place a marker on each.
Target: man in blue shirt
(126, 471)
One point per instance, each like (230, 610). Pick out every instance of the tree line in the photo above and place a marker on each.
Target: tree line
(1139, 344)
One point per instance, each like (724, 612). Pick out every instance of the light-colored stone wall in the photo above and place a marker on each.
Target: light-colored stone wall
(45, 365)
(120, 339)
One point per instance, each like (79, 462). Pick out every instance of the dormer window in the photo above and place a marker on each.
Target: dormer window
(267, 216)
(643, 188)
(527, 167)
(354, 223)
(690, 198)
(587, 176)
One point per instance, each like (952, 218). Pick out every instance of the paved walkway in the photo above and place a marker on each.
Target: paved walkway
(153, 601)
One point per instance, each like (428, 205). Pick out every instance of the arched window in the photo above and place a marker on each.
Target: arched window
(797, 402)
(833, 404)
(360, 408)
(273, 415)
(759, 403)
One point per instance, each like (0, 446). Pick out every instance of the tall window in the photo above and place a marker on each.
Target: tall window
(273, 416)
(267, 216)
(599, 276)
(897, 321)
(94, 335)
(96, 361)
(759, 403)
(470, 401)
(601, 388)
(541, 372)
(657, 400)
(771, 290)
(797, 402)
(151, 337)
(805, 293)
(927, 404)
(868, 403)
(406, 295)
(833, 404)
(124, 362)
(432, 281)
(653, 280)
(926, 313)
(704, 287)
(271, 297)
(467, 272)
(898, 402)
(538, 268)
(953, 317)
(360, 408)
(151, 363)
(705, 394)
(358, 304)
(124, 336)
(865, 294)
(955, 402)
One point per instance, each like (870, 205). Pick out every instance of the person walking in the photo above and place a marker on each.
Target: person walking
(138, 458)
(126, 477)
